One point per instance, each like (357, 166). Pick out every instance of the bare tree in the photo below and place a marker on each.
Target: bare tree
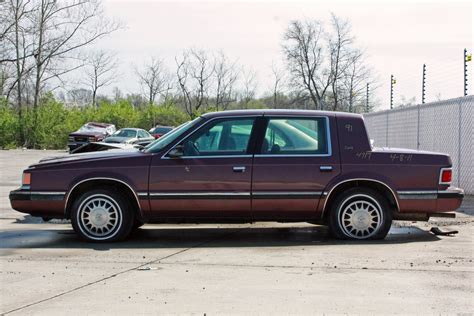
(278, 82)
(155, 79)
(340, 48)
(356, 75)
(61, 29)
(100, 71)
(249, 87)
(194, 73)
(303, 48)
(225, 78)
(321, 61)
(16, 48)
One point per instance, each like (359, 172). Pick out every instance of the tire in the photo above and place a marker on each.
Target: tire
(137, 224)
(360, 214)
(102, 216)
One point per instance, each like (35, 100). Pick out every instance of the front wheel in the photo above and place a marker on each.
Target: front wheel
(360, 213)
(102, 216)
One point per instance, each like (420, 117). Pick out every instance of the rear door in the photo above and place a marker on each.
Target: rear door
(293, 164)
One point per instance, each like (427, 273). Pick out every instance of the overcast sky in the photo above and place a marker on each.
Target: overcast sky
(398, 36)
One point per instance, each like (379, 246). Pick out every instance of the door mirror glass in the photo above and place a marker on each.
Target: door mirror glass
(176, 152)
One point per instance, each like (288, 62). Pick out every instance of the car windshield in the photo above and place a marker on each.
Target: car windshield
(91, 128)
(130, 133)
(169, 137)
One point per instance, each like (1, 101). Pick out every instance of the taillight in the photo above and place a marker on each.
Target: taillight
(446, 176)
(26, 180)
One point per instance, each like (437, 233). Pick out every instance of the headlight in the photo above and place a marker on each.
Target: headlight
(92, 139)
(70, 138)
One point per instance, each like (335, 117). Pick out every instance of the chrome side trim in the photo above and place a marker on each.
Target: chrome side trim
(422, 196)
(360, 179)
(206, 157)
(296, 193)
(142, 193)
(101, 178)
(417, 192)
(199, 194)
(448, 191)
(41, 192)
(289, 155)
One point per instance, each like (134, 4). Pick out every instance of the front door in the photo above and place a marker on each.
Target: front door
(213, 177)
(292, 167)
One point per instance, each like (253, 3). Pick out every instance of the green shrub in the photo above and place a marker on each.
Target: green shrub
(9, 126)
(54, 121)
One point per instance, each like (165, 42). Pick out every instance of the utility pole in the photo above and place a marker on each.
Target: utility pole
(367, 99)
(467, 58)
(423, 85)
(393, 81)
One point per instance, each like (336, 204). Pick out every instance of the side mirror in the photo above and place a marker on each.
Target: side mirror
(176, 152)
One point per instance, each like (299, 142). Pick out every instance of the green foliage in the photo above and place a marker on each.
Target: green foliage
(54, 120)
(167, 114)
(8, 126)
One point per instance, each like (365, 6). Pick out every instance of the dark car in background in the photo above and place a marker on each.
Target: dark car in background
(159, 130)
(245, 166)
(136, 136)
(89, 133)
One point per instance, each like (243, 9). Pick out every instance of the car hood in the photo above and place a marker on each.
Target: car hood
(87, 134)
(87, 156)
(116, 139)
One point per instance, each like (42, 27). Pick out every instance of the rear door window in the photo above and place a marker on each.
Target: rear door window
(296, 136)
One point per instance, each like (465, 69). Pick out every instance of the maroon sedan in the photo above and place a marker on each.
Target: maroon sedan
(245, 166)
(159, 130)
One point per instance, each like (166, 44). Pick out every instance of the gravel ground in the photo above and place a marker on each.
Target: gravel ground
(264, 268)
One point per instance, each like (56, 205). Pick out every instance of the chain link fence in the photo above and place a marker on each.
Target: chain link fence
(443, 126)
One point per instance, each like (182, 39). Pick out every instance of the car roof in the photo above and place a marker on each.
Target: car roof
(270, 112)
(99, 124)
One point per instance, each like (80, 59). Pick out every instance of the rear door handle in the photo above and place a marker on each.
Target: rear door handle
(239, 169)
(325, 168)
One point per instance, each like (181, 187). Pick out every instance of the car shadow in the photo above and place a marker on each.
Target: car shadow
(152, 236)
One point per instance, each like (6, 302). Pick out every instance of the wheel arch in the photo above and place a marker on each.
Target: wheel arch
(377, 185)
(101, 182)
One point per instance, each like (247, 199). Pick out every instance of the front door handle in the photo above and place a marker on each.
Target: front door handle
(325, 168)
(239, 169)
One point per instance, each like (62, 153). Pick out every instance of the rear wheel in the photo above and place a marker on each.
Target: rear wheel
(360, 213)
(102, 216)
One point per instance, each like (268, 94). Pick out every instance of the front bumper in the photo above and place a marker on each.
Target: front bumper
(38, 203)
(74, 145)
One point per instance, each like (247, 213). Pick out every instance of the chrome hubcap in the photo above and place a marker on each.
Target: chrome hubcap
(99, 216)
(361, 218)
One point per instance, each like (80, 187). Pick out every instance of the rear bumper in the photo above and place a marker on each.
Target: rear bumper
(38, 203)
(449, 199)
(430, 201)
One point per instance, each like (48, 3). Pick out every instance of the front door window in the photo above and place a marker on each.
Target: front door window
(220, 138)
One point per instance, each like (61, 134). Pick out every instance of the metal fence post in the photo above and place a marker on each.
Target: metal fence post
(418, 129)
(459, 142)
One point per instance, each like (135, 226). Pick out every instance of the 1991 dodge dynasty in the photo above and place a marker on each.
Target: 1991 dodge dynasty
(245, 166)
